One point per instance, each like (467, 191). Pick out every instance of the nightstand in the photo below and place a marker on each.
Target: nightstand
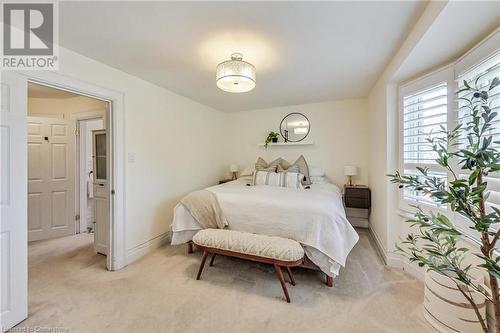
(357, 202)
(225, 181)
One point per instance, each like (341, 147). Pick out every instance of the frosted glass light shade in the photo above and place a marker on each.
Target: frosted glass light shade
(233, 168)
(350, 170)
(235, 75)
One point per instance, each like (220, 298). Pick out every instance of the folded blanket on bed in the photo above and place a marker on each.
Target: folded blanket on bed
(205, 209)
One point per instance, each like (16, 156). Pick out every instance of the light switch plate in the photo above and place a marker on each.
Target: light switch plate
(131, 157)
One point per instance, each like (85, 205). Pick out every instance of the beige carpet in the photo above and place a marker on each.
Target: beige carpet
(69, 288)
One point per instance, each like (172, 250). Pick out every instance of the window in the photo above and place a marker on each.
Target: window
(425, 114)
(100, 155)
(430, 104)
(483, 72)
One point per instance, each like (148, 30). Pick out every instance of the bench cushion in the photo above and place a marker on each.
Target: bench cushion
(257, 245)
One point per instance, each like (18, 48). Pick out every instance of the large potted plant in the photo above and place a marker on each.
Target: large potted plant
(433, 244)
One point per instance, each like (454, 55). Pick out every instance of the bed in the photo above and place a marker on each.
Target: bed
(314, 217)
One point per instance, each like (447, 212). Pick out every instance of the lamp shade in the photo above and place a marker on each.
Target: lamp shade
(233, 168)
(350, 170)
(235, 75)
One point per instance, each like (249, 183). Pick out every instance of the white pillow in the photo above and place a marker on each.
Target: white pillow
(319, 180)
(267, 178)
(248, 171)
(316, 172)
(292, 179)
(280, 179)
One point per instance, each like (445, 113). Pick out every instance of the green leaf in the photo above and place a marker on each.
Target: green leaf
(495, 82)
(473, 176)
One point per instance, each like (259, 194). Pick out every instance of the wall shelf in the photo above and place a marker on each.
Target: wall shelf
(286, 144)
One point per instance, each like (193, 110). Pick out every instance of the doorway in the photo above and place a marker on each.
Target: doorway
(13, 182)
(68, 192)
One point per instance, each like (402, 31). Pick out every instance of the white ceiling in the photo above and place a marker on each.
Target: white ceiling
(454, 32)
(39, 91)
(304, 51)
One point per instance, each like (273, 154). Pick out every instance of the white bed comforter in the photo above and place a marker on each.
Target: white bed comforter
(314, 217)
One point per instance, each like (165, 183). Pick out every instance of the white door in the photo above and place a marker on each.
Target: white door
(51, 178)
(86, 167)
(13, 226)
(101, 191)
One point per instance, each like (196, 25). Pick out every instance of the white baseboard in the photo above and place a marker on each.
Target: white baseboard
(147, 247)
(395, 260)
(378, 244)
(398, 261)
(118, 263)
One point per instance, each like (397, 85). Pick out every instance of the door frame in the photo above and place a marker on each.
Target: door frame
(115, 123)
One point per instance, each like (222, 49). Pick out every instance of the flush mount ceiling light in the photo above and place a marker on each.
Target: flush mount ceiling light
(235, 75)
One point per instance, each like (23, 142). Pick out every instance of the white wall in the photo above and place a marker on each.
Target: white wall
(63, 106)
(383, 137)
(179, 145)
(339, 130)
(378, 163)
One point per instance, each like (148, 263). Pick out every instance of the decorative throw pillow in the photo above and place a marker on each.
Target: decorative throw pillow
(262, 165)
(281, 179)
(291, 168)
(300, 165)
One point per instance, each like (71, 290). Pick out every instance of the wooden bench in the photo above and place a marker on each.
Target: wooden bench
(308, 264)
(280, 252)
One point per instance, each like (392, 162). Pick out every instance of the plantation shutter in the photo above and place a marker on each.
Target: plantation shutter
(484, 74)
(425, 113)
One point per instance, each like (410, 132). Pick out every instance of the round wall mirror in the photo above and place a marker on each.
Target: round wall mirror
(294, 127)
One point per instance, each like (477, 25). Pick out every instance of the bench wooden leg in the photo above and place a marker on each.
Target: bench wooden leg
(282, 281)
(329, 281)
(190, 248)
(205, 255)
(292, 280)
(212, 260)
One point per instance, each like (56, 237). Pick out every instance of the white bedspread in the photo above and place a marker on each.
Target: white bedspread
(314, 217)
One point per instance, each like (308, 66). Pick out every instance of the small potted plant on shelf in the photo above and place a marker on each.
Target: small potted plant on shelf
(271, 137)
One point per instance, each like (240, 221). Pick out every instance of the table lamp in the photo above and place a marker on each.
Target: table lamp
(349, 171)
(234, 170)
